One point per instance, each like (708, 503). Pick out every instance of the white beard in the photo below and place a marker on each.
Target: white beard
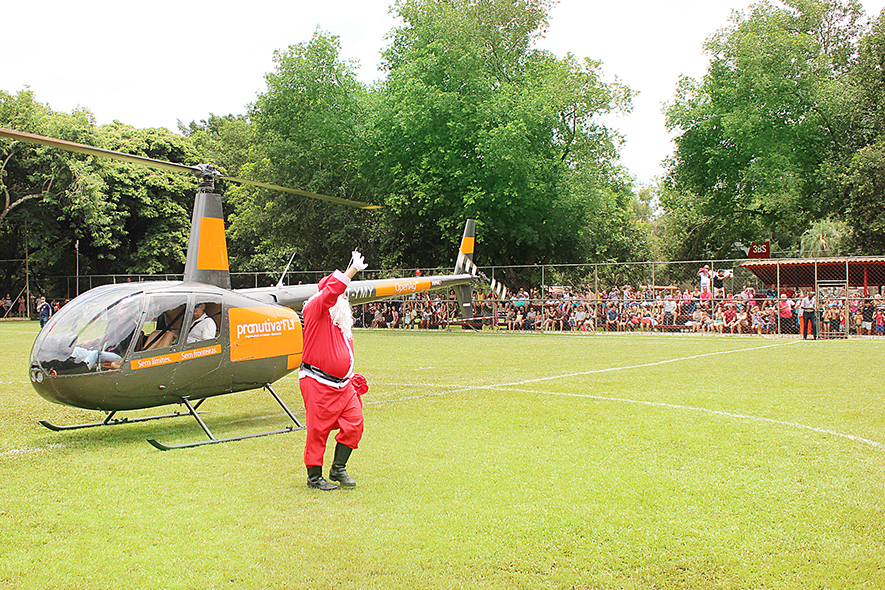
(342, 316)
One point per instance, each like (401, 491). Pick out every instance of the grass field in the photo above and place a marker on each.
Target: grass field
(489, 461)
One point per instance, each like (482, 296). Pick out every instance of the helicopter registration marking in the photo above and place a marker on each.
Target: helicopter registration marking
(175, 357)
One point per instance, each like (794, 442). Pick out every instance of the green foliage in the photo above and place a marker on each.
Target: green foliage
(868, 84)
(308, 131)
(824, 238)
(42, 187)
(761, 136)
(226, 142)
(866, 185)
(146, 216)
(471, 121)
(783, 139)
(126, 218)
(474, 122)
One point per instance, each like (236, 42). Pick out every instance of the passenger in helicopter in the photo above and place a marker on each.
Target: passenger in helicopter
(203, 326)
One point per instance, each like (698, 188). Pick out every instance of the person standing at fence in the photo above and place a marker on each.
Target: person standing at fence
(719, 284)
(704, 274)
(669, 311)
(867, 311)
(785, 314)
(808, 306)
(44, 310)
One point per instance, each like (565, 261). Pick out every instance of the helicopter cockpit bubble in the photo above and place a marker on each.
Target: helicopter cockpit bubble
(89, 335)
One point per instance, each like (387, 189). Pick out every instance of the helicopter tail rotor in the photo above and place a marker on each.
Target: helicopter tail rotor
(465, 265)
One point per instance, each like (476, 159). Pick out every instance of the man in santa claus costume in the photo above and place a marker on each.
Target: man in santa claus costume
(331, 390)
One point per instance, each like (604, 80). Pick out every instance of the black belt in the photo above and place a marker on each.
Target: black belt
(323, 374)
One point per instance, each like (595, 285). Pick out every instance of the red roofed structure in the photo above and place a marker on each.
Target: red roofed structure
(854, 271)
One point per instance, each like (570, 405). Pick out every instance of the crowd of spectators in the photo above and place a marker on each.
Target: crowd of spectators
(706, 308)
(640, 309)
(16, 308)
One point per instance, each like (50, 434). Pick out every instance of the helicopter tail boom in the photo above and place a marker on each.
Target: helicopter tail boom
(360, 292)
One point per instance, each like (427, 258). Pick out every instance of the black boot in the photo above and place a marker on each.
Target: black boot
(315, 480)
(338, 472)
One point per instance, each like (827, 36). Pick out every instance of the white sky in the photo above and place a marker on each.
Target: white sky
(151, 64)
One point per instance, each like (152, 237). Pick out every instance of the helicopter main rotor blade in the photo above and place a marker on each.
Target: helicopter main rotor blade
(296, 191)
(198, 171)
(94, 151)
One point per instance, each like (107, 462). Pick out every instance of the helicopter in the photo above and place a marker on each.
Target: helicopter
(130, 346)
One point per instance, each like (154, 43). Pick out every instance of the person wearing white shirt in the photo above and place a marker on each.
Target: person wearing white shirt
(669, 311)
(808, 305)
(203, 327)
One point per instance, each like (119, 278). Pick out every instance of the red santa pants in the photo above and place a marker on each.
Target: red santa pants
(329, 409)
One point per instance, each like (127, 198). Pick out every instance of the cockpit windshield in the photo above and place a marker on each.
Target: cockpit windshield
(90, 334)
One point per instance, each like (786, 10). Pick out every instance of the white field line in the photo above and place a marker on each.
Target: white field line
(456, 389)
(852, 437)
(645, 365)
(27, 450)
(513, 386)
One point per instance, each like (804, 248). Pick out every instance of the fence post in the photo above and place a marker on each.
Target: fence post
(815, 329)
(778, 298)
(595, 295)
(845, 314)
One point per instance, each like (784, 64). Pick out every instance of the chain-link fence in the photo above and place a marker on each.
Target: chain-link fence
(814, 298)
(825, 297)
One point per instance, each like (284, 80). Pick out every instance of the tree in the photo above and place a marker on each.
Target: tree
(474, 122)
(40, 185)
(149, 210)
(865, 185)
(126, 218)
(825, 237)
(864, 173)
(309, 131)
(760, 135)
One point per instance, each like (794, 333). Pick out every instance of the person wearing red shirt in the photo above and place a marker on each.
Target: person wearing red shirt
(330, 389)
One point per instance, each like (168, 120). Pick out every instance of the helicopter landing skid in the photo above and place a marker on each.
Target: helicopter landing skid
(212, 440)
(111, 421)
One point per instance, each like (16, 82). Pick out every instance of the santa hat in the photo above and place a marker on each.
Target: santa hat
(337, 275)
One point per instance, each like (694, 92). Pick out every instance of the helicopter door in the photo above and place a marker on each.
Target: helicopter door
(161, 328)
(198, 374)
(151, 365)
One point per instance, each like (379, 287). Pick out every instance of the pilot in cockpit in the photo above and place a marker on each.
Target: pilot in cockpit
(109, 348)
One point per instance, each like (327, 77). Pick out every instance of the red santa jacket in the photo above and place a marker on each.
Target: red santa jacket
(325, 346)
